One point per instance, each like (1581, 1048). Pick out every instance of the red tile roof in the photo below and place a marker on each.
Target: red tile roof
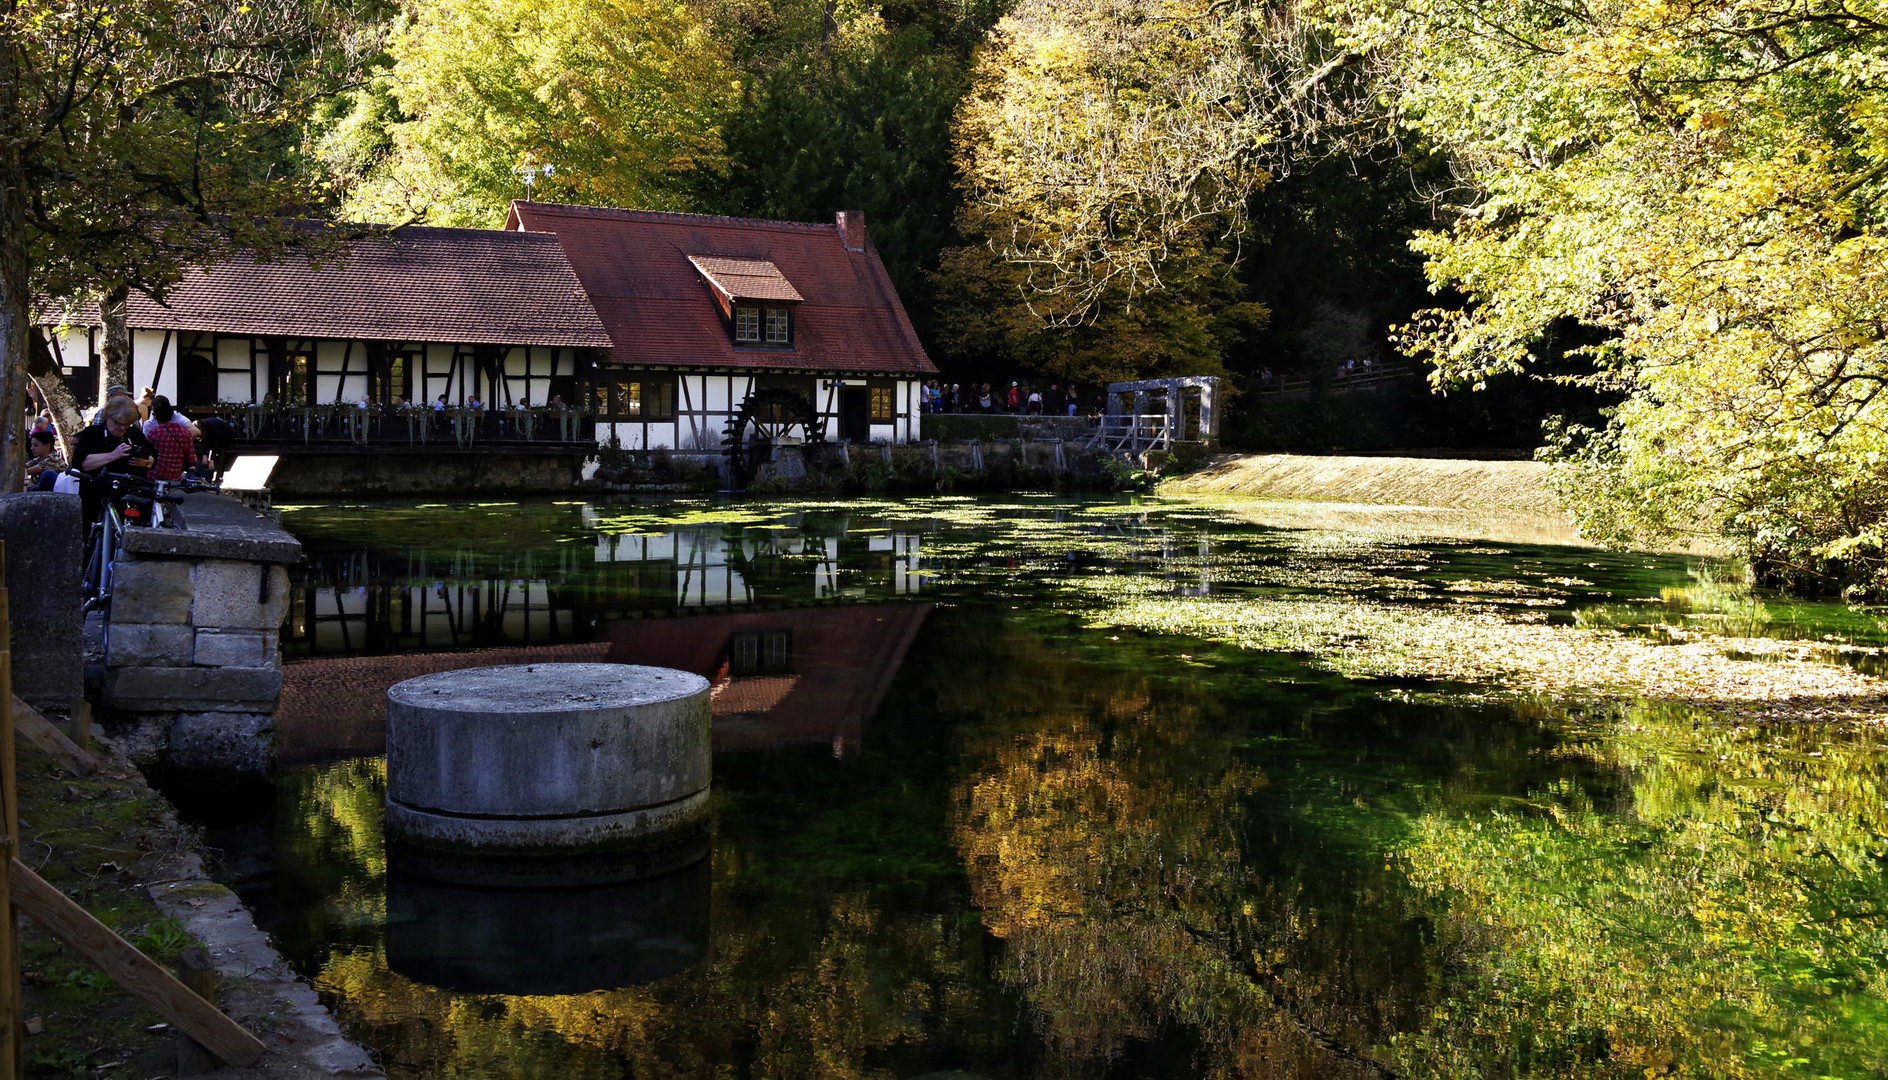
(635, 266)
(470, 286)
(746, 279)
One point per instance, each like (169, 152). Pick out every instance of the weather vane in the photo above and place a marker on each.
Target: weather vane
(530, 174)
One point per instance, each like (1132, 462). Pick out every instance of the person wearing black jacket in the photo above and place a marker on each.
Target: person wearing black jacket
(115, 443)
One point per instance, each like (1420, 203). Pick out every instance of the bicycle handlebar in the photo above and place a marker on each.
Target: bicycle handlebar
(144, 485)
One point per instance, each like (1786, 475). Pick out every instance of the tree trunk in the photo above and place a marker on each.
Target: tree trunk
(45, 373)
(114, 364)
(16, 307)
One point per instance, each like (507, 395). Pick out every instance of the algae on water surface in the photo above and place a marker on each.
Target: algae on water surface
(1157, 791)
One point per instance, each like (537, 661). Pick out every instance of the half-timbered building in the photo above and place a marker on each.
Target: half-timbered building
(415, 313)
(705, 311)
(645, 330)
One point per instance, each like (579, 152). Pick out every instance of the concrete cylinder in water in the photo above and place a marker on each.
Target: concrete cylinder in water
(547, 758)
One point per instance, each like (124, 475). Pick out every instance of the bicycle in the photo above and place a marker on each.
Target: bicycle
(129, 502)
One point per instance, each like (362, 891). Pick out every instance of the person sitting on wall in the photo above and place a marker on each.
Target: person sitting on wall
(172, 438)
(46, 463)
(115, 443)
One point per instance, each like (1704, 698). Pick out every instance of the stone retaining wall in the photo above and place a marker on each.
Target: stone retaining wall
(195, 634)
(193, 640)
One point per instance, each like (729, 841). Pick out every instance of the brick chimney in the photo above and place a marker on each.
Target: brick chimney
(852, 229)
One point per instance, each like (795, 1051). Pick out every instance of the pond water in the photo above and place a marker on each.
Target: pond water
(966, 824)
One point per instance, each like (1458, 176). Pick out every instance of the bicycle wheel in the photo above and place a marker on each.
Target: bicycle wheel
(91, 580)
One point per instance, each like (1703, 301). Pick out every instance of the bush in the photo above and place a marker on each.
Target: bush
(961, 427)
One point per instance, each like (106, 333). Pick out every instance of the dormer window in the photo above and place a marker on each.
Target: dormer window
(754, 296)
(754, 325)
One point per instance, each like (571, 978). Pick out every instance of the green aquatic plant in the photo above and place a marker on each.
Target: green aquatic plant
(1731, 920)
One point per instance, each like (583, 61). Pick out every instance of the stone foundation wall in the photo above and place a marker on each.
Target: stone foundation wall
(42, 537)
(397, 471)
(192, 649)
(195, 635)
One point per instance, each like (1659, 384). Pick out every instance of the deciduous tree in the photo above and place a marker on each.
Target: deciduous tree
(139, 139)
(625, 99)
(1701, 182)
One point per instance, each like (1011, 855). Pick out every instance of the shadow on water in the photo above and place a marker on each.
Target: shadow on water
(958, 832)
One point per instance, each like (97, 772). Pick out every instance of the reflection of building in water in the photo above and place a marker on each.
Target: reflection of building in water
(376, 600)
(719, 566)
(813, 674)
(800, 675)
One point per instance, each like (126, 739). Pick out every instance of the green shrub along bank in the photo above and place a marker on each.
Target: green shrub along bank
(962, 427)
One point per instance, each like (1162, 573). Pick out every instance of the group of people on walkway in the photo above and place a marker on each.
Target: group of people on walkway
(145, 437)
(1018, 400)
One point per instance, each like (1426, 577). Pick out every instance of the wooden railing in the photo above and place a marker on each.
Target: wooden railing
(409, 425)
(1132, 432)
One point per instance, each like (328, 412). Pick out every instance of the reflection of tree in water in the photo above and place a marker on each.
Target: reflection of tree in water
(1104, 830)
(1730, 920)
(792, 991)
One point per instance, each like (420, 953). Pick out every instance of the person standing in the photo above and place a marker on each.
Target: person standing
(115, 442)
(174, 441)
(1015, 400)
(218, 437)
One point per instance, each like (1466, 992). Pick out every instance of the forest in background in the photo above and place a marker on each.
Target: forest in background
(1653, 223)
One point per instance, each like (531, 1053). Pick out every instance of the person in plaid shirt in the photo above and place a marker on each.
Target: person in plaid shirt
(175, 443)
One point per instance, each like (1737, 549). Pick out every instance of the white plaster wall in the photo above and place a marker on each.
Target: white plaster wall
(438, 362)
(234, 385)
(661, 436)
(75, 347)
(147, 346)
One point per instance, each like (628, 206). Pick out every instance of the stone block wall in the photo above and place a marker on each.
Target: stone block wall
(42, 537)
(195, 635)
(196, 615)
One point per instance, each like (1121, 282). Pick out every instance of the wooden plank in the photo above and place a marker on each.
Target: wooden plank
(12, 1013)
(28, 724)
(82, 723)
(195, 971)
(131, 969)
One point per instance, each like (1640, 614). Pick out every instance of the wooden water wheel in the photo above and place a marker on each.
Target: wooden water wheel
(764, 418)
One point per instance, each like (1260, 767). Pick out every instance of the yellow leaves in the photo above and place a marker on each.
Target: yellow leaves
(627, 94)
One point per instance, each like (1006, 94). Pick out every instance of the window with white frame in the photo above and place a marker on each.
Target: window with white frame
(747, 323)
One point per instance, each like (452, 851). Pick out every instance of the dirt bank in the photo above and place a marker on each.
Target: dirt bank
(113, 844)
(1399, 481)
